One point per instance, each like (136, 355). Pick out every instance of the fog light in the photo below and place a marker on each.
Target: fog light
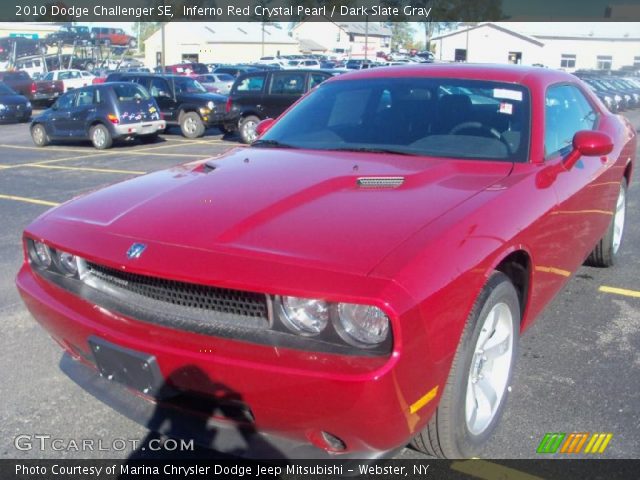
(68, 263)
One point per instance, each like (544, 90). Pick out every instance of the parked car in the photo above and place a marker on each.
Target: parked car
(362, 273)
(216, 82)
(71, 78)
(100, 113)
(13, 106)
(234, 70)
(69, 35)
(359, 64)
(259, 95)
(303, 63)
(22, 46)
(36, 91)
(112, 36)
(182, 101)
(190, 69)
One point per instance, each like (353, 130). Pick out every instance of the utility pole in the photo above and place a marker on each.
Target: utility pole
(162, 60)
(366, 38)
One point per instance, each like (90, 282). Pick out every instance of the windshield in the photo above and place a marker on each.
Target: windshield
(4, 90)
(418, 116)
(188, 85)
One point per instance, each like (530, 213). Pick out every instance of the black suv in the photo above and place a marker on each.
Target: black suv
(69, 35)
(266, 94)
(23, 47)
(100, 113)
(182, 101)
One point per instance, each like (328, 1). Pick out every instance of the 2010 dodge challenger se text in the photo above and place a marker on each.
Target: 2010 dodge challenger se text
(355, 280)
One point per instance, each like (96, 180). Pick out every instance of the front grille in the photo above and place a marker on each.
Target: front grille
(188, 301)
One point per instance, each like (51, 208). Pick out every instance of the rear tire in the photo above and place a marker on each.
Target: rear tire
(100, 137)
(476, 391)
(606, 250)
(39, 135)
(191, 125)
(247, 128)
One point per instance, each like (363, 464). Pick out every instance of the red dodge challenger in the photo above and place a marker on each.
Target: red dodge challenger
(355, 280)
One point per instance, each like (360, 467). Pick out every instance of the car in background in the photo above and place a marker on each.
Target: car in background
(183, 101)
(100, 113)
(71, 78)
(259, 95)
(112, 36)
(359, 64)
(234, 70)
(36, 91)
(22, 46)
(216, 82)
(13, 106)
(303, 63)
(69, 35)
(362, 272)
(187, 68)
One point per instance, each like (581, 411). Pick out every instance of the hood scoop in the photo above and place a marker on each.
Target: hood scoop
(209, 167)
(380, 182)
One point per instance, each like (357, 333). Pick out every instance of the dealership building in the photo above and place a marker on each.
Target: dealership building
(567, 45)
(227, 42)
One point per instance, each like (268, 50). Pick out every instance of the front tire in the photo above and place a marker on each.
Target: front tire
(100, 137)
(191, 125)
(39, 135)
(476, 391)
(247, 128)
(606, 250)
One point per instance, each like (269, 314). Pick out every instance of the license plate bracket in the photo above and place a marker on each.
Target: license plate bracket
(137, 370)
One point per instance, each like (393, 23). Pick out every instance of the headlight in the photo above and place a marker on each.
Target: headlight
(28, 104)
(68, 263)
(2, 106)
(40, 254)
(362, 325)
(210, 105)
(305, 316)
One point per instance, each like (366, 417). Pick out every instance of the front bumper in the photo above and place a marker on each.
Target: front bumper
(213, 118)
(14, 115)
(292, 396)
(140, 128)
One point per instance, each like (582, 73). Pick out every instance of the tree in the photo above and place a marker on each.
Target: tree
(401, 36)
(145, 29)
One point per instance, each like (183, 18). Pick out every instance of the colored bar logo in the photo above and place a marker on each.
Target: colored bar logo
(574, 442)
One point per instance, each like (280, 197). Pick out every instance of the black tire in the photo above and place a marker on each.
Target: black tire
(447, 435)
(191, 125)
(39, 135)
(247, 128)
(100, 137)
(151, 138)
(605, 252)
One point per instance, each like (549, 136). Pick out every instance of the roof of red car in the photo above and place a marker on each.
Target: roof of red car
(496, 72)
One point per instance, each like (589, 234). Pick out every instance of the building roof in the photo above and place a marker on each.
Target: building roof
(226, 32)
(308, 45)
(495, 26)
(375, 29)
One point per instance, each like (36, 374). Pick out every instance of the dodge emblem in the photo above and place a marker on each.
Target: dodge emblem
(135, 250)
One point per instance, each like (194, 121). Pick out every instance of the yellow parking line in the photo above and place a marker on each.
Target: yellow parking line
(489, 470)
(85, 169)
(54, 160)
(154, 154)
(40, 149)
(620, 291)
(29, 200)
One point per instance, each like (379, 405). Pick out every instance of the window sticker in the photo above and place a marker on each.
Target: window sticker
(506, 108)
(507, 94)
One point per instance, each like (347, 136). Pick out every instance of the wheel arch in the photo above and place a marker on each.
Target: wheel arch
(516, 265)
(628, 170)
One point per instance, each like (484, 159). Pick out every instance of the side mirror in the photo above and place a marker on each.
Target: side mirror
(589, 143)
(263, 126)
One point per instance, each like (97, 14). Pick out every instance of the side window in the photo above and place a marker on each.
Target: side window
(66, 101)
(251, 84)
(567, 111)
(48, 76)
(316, 79)
(159, 88)
(84, 97)
(287, 83)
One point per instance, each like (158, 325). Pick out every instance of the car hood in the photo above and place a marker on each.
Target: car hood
(202, 97)
(302, 205)
(13, 99)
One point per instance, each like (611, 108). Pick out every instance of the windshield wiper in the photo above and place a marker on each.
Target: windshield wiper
(371, 150)
(271, 143)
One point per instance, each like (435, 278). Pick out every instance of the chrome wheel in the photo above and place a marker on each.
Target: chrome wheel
(618, 220)
(99, 137)
(39, 135)
(490, 368)
(190, 126)
(249, 130)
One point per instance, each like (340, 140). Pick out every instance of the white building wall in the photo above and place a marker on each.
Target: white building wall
(487, 45)
(586, 51)
(335, 39)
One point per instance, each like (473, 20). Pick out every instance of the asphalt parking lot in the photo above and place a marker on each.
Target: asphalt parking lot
(578, 370)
